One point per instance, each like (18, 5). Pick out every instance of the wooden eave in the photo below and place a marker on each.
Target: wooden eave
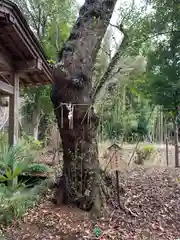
(20, 48)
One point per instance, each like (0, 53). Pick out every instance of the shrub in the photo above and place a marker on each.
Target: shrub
(14, 202)
(15, 198)
(144, 154)
(13, 161)
(149, 148)
(31, 143)
(38, 167)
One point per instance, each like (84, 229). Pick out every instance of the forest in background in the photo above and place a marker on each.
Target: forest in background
(136, 83)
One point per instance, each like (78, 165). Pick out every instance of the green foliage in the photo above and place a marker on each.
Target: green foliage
(13, 161)
(18, 159)
(15, 201)
(129, 97)
(3, 137)
(124, 118)
(14, 154)
(163, 78)
(129, 92)
(161, 82)
(148, 149)
(144, 154)
(51, 21)
(124, 110)
(31, 143)
(38, 167)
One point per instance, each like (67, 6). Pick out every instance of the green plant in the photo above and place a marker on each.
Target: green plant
(38, 167)
(148, 149)
(31, 143)
(3, 138)
(13, 161)
(15, 201)
(144, 154)
(10, 199)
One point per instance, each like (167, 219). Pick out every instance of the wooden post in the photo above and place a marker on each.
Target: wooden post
(117, 187)
(167, 151)
(14, 112)
(14, 116)
(162, 127)
(176, 143)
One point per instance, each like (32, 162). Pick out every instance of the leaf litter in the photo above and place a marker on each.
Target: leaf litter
(151, 200)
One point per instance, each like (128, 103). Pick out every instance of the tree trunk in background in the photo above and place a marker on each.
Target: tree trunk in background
(35, 122)
(176, 143)
(72, 84)
(124, 98)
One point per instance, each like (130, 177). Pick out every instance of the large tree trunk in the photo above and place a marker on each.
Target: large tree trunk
(72, 84)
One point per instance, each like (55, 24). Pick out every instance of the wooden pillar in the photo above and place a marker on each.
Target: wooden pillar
(167, 152)
(176, 143)
(14, 111)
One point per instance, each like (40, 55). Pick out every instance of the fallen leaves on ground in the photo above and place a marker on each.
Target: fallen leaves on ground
(151, 198)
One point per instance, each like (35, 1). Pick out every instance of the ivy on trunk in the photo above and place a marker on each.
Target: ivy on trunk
(72, 77)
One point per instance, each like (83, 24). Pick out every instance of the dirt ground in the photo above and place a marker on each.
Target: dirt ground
(151, 196)
(158, 158)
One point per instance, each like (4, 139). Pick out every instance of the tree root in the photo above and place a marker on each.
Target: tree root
(106, 196)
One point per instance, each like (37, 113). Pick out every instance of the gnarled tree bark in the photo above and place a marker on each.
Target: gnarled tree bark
(72, 84)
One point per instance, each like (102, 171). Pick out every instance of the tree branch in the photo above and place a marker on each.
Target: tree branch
(79, 53)
(111, 66)
(31, 15)
(116, 58)
(159, 34)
